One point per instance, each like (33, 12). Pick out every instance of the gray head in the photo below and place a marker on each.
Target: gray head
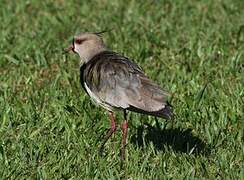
(87, 45)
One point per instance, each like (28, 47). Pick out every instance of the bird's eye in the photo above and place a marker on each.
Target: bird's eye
(79, 41)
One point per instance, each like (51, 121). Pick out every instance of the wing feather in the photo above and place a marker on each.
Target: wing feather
(121, 83)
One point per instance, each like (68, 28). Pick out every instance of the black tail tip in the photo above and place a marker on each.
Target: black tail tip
(167, 112)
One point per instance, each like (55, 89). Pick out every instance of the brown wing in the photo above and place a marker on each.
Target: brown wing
(119, 82)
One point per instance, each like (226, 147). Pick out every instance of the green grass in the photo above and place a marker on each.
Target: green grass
(49, 129)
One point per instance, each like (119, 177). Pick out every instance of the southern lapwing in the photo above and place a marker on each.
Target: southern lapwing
(117, 83)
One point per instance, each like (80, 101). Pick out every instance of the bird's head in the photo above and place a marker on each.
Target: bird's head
(87, 45)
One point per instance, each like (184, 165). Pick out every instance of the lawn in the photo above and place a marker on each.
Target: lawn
(49, 128)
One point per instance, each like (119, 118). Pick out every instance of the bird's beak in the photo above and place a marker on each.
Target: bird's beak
(70, 48)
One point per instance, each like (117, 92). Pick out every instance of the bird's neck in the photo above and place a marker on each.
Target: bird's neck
(89, 54)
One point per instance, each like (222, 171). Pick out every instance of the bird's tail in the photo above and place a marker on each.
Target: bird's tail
(166, 112)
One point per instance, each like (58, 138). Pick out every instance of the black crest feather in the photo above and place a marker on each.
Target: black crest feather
(102, 32)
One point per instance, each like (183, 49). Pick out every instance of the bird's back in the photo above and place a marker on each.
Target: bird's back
(117, 82)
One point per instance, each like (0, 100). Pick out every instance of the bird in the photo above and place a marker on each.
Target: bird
(117, 83)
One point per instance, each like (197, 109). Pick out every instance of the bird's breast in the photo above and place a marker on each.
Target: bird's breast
(96, 99)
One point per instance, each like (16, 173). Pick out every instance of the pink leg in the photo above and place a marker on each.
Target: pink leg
(124, 128)
(110, 131)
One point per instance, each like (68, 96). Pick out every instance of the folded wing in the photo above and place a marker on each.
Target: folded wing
(119, 82)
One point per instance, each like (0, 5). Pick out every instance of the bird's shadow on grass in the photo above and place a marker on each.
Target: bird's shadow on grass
(182, 141)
